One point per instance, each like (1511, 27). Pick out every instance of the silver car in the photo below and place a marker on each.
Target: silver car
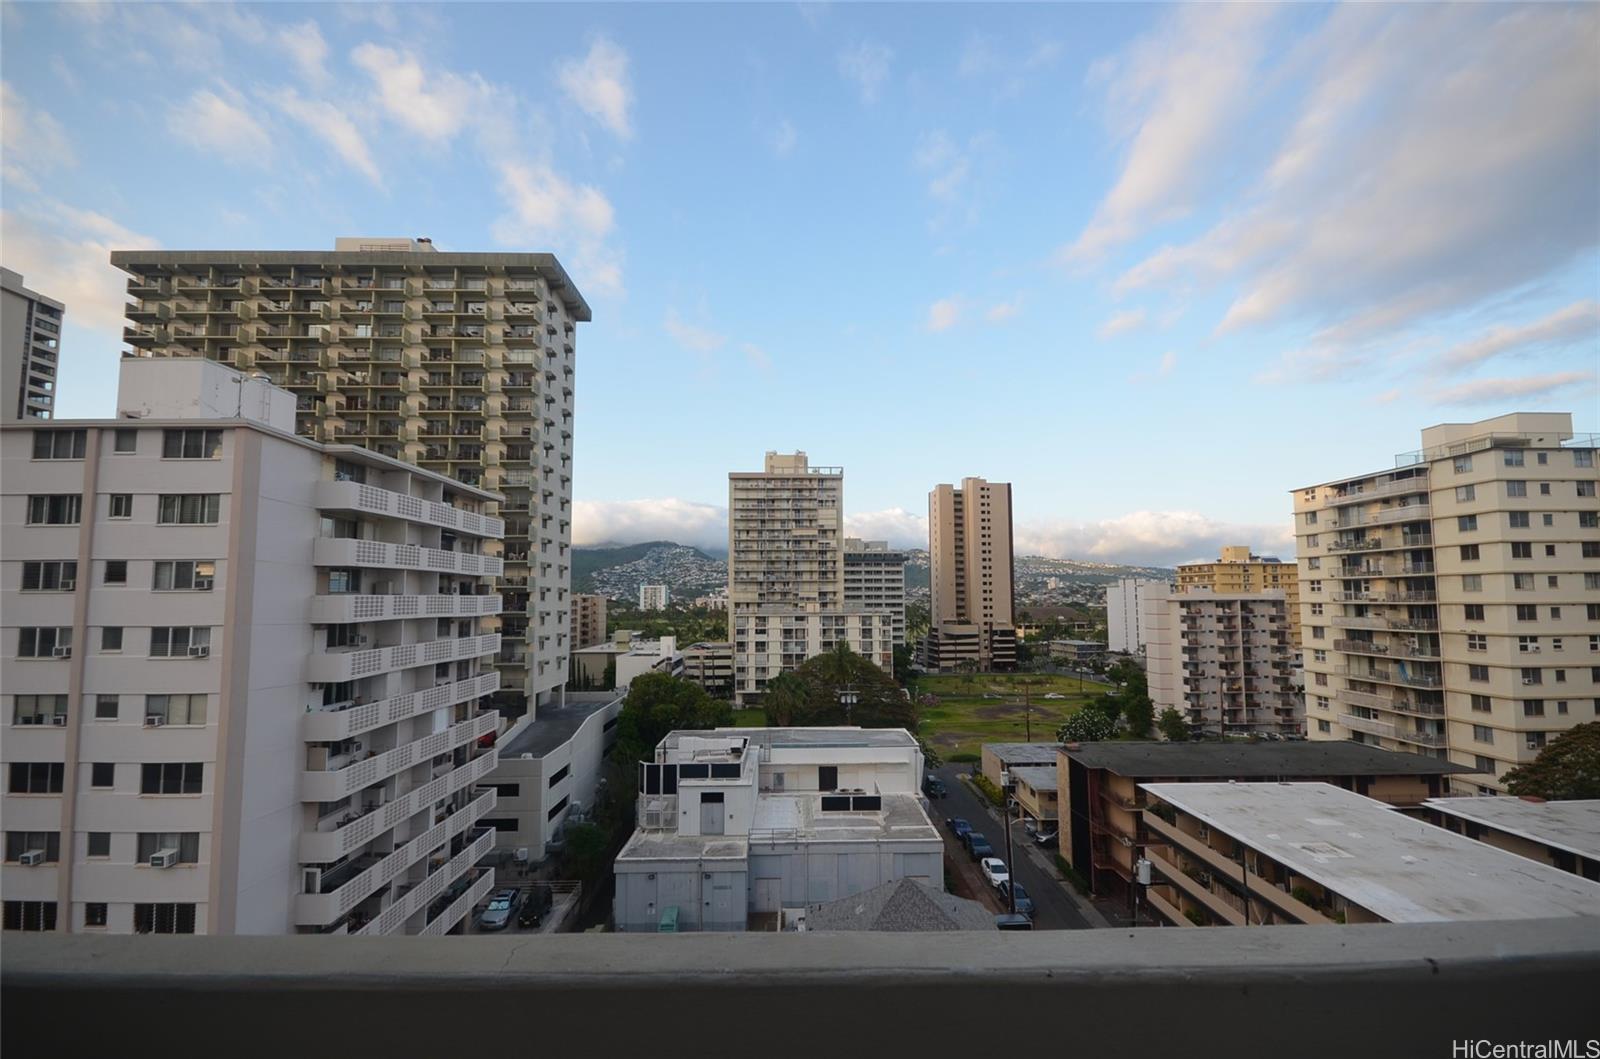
(501, 908)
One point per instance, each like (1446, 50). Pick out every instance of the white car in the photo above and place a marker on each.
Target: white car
(994, 869)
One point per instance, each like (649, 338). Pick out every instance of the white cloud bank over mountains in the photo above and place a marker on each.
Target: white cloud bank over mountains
(1158, 538)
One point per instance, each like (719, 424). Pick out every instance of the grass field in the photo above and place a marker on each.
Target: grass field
(983, 708)
(753, 717)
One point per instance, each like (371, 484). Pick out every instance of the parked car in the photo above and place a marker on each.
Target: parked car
(995, 870)
(1024, 902)
(1013, 922)
(933, 786)
(501, 907)
(536, 907)
(958, 827)
(1047, 839)
(977, 846)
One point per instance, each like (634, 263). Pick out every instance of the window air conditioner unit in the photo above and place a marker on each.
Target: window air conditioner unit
(154, 720)
(68, 584)
(358, 641)
(32, 858)
(61, 652)
(163, 858)
(200, 650)
(59, 720)
(202, 584)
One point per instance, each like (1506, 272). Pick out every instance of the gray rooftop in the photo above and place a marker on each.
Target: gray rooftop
(1024, 753)
(1266, 760)
(901, 905)
(1399, 868)
(1039, 777)
(1573, 826)
(552, 726)
(799, 818)
(669, 845)
(803, 737)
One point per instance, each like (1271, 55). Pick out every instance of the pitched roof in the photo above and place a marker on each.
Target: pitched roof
(901, 905)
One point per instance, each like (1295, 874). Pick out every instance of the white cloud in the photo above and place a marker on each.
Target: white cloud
(694, 338)
(543, 204)
(1121, 323)
(1569, 324)
(983, 58)
(208, 122)
(757, 357)
(947, 166)
(307, 50)
(1149, 537)
(598, 84)
(782, 138)
(331, 125)
(867, 66)
(943, 314)
(435, 105)
(1490, 391)
(1000, 312)
(33, 142)
(634, 521)
(1164, 368)
(66, 253)
(901, 528)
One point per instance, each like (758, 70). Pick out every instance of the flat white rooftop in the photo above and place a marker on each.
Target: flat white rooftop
(1399, 868)
(800, 818)
(1572, 826)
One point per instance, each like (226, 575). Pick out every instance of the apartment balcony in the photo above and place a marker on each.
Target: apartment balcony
(346, 719)
(1376, 490)
(334, 784)
(354, 607)
(333, 667)
(381, 555)
(1386, 676)
(1365, 544)
(369, 499)
(1409, 513)
(363, 825)
(458, 909)
(1406, 735)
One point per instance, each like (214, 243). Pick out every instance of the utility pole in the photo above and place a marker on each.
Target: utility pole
(1011, 865)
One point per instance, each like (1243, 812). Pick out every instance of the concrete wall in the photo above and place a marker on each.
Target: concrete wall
(709, 895)
(813, 872)
(582, 757)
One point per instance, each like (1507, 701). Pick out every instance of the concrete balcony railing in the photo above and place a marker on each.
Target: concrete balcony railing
(1408, 513)
(417, 898)
(1367, 725)
(334, 667)
(1225, 866)
(343, 720)
(1406, 735)
(371, 500)
(445, 921)
(1386, 650)
(324, 908)
(1393, 487)
(333, 784)
(353, 607)
(1387, 676)
(381, 555)
(320, 847)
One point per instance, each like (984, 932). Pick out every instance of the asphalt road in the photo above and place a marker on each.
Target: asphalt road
(1053, 908)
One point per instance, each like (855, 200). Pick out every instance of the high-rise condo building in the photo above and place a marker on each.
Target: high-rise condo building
(1240, 571)
(653, 597)
(1223, 660)
(875, 578)
(1451, 603)
(588, 620)
(461, 363)
(786, 580)
(246, 675)
(1125, 612)
(970, 574)
(30, 350)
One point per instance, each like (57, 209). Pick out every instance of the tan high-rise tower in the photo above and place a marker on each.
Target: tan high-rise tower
(970, 574)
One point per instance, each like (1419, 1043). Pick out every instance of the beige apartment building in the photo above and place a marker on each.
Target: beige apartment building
(875, 578)
(461, 363)
(1239, 571)
(970, 576)
(786, 574)
(30, 350)
(1223, 660)
(1451, 604)
(588, 620)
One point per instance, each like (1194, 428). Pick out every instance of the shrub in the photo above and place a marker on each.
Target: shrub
(987, 788)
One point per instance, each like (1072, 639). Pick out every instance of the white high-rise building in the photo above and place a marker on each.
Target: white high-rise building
(875, 578)
(30, 350)
(653, 597)
(1125, 612)
(245, 676)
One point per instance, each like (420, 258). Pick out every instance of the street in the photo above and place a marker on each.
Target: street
(1054, 908)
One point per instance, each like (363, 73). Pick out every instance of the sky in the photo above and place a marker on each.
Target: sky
(1155, 266)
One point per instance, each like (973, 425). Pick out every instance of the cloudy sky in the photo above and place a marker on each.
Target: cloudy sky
(1155, 266)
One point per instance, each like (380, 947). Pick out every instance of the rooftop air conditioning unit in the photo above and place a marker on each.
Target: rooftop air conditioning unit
(154, 720)
(200, 650)
(163, 858)
(61, 652)
(32, 858)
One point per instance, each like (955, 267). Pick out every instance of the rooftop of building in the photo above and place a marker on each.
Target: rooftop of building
(1039, 777)
(12, 281)
(553, 725)
(1024, 753)
(800, 817)
(900, 906)
(1402, 869)
(669, 845)
(780, 738)
(1081, 643)
(1573, 826)
(1156, 759)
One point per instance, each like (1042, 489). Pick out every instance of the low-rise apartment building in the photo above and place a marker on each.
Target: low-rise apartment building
(736, 823)
(1564, 835)
(1224, 661)
(1261, 854)
(1035, 788)
(246, 674)
(1077, 652)
(711, 666)
(996, 760)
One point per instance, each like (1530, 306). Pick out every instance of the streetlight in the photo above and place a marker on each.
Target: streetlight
(848, 697)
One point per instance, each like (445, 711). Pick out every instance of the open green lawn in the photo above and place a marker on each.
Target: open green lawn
(988, 708)
(753, 717)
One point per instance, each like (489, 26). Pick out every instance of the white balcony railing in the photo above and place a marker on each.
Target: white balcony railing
(344, 551)
(445, 921)
(345, 720)
(333, 784)
(352, 607)
(320, 847)
(370, 499)
(422, 894)
(334, 667)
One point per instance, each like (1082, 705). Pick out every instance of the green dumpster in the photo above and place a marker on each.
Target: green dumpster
(669, 920)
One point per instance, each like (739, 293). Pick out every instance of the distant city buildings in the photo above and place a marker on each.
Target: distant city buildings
(30, 350)
(970, 572)
(246, 675)
(1449, 602)
(1125, 612)
(875, 578)
(1239, 571)
(588, 620)
(716, 601)
(652, 597)
(615, 663)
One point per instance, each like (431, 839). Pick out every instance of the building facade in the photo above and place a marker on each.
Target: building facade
(588, 620)
(1240, 571)
(1451, 603)
(710, 665)
(462, 363)
(246, 673)
(652, 597)
(1125, 612)
(1224, 661)
(30, 350)
(875, 579)
(970, 577)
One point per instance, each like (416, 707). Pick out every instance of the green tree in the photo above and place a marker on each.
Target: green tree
(785, 699)
(1087, 726)
(1173, 727)
(903, 657)
(1140, 714)
(658, 704)
(879, 702)
(1567, 768)
(585, 852)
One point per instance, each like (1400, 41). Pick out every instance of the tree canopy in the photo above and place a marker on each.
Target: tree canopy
(1567, 768)
(1088, 725)
(1173, 726)
(658, 704)
(812, 694)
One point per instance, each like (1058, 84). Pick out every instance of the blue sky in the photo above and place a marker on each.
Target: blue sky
(1155, 266)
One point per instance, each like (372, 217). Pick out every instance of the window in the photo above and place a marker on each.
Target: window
(185, 575)
(45, 842)
(1319, 656)
(51, 575)
(1555, 615)
(1591, 549)
(1591, 581)
(1513, 458)
(1527, 644)
(187, 844)
(99, 843)
(1463, 464)
(1536, 740)
(1477, 641)
(344, 581)
(1313, 563)
(180, 641)
(1324, 726)
(1316, 610)
(170, 777)
(121, 505)
(163, 919)
(1478, 673)
(111, 638)
(176, 709)
(59, 444)
(1465, 493)
(39, 709)
(1561, 676)
(30, 915)
(1527, 612)
(1533, 708)
(1469, 552)
(1482, 733)
(36, 777)
(103, 774)
(1521, 550)
(1587, 519)
(1518, 519)
(127, 440)
(1561, 706)
(1550, 549)
(1583, 458)
(555, 810)
(1544, 488)
(1532, 676)
(559, 775)
(189, 509)
(1473, 611)
(107, 707)
(57, 509)
(1586, 489)
(1318, 632)
(1552, 581)
(1466, 523)
(44, 643)
(1516, 488)
(1322, 680)
(1483, 764)
(1472, 583)
(94, 914)
(116, 572)
(1480, 704)
(1544, 457)
(191, 444)
(1522, 582)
